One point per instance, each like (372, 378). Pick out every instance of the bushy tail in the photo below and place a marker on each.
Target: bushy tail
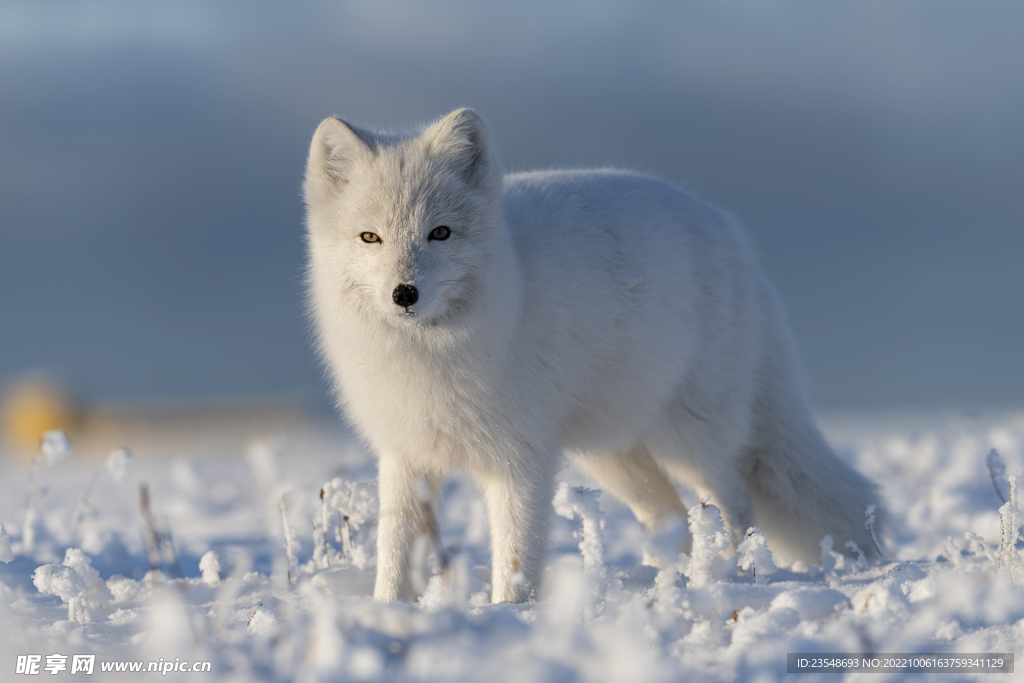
(801, 489)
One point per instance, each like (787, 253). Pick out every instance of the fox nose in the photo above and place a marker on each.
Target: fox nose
(405, 295)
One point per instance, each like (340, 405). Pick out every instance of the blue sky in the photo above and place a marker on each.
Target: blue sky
(151, 154)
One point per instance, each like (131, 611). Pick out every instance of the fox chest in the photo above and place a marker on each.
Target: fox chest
(443, 412)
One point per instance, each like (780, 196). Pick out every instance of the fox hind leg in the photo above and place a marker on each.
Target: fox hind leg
(638, 481)
(704, 455)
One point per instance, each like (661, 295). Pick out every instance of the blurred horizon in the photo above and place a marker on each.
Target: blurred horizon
(151, 222)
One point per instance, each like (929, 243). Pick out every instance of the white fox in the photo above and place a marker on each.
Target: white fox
(484, 323)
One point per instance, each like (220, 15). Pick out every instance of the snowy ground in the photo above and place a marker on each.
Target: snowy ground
(257, 614)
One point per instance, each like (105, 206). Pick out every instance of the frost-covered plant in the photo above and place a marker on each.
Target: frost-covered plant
(861, 559)
(710, 542)
(869, 524)
(829, 559)
(160, 550)
(321, 522)
(159, 545)
(1003, 486)
(1003, 558)
(833, 560)
(755, 556)
(209, 565)
(707, 564)
(976, 544)
(997, 470)
(581, 502)
(291, 542)
(1009, 533)
(347, 512)
(77, 583)
(55, 446)
(350, 509)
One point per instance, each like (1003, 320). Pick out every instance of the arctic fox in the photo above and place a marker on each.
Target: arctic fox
(484, 323)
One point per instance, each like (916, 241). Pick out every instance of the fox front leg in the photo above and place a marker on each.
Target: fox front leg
(406, 497)
(518, 508)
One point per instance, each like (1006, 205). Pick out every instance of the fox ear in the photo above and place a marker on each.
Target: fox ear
(461, 140)
(336, 147)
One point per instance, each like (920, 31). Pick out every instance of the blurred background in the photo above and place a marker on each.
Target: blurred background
(151, 223)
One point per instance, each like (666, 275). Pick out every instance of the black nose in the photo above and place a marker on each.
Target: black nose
(405, 295)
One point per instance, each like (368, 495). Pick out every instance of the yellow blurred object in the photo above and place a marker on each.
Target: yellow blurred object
(29, 408)
(153, 427)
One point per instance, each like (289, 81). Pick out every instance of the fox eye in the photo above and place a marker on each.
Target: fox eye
(370, 237)
(441, 232)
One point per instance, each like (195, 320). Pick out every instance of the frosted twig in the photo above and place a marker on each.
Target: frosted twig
(350, 508)
(158, 544)
(753, 552)
(856, 548)
(321, 548)
(869, 524)
(325, 522)
(1008, 524)
(290, 542)
(340, 530)
(152, 540)
(997, 470)
(161, 547)
(253, 616)
(977, 545)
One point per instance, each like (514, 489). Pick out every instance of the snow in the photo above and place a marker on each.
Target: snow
(231, 592)
(117, 464)
(6, 555)
(55, 446)
(209, 565)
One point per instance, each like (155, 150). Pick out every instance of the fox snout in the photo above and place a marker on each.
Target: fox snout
(405, 295)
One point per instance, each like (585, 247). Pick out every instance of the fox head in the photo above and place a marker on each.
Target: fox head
(403, 228)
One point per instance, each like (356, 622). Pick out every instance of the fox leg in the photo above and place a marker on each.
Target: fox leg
(720, 477)
(638, 481)
(518, 509)
(706, 455)
(406, 500)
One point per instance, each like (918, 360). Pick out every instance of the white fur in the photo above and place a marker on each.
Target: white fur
(600, 312)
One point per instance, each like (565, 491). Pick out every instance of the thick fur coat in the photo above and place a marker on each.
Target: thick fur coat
(480, 323)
